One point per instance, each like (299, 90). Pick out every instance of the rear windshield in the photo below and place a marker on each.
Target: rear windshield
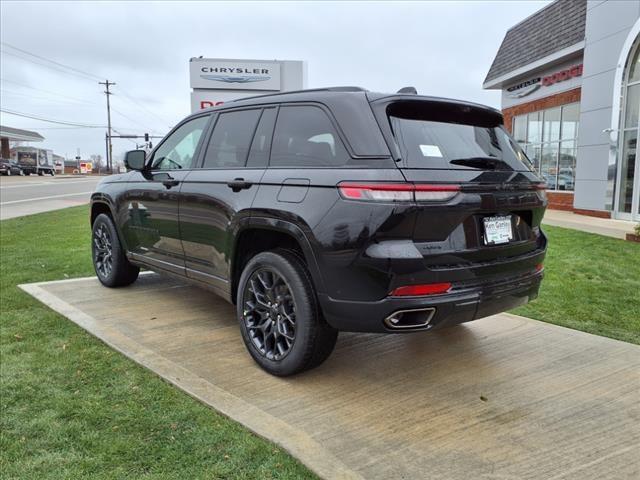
(464, 141)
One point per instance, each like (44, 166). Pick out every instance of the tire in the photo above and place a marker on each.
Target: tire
(313, 339)
(40, 173)
(52, 173)
(109, 260)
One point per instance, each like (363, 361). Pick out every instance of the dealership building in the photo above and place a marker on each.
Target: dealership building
(570, 81)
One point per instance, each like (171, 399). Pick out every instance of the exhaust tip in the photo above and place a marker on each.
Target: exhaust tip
(414, 318)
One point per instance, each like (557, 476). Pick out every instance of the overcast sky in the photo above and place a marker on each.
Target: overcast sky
(441, 48)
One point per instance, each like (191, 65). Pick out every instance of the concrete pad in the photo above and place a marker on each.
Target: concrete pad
(602, 226)
(501, 398)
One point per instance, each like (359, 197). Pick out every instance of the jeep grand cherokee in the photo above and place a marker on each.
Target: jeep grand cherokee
(331, 209)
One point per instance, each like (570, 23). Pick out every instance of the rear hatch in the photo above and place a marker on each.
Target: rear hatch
(495, 214)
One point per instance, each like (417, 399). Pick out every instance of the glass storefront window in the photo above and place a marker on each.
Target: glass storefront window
(549, 164)
(628, 166)
(534, 127)
(551, 125)
(634, 68)
(570, 118)
(534, 152)
(520, 129)
(567, 165)
(633, 105)
(551, 143)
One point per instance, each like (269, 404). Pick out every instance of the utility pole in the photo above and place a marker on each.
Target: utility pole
(107, 84)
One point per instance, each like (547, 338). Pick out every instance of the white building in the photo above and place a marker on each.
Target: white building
(570, 81)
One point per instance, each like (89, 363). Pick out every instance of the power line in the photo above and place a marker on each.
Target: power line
(55, 128)
(73, 99)
(58, 101)
(62, 65)
(134, 121)
(124, 136)
(135, 102)
(42, 119)
(59, 70)
(48, 91)
(62, 68)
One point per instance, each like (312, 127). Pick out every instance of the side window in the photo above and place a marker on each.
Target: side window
(259, 153)
(305, 137)
(179, 148)
(231, 138)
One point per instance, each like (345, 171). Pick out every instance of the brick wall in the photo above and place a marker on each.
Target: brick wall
(570, 96)
(560, 200)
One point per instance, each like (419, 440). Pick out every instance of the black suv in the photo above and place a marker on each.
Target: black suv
(332, 209)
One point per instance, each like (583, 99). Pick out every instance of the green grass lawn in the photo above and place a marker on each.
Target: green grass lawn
(72, 407)
(592, 283)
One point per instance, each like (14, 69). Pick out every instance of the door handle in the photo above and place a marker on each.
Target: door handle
(170, 183)
(238, 184)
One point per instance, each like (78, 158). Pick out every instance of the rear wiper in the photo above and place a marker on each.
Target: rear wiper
(489, 163)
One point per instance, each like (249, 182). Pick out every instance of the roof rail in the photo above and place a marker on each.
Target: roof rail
(327, 89)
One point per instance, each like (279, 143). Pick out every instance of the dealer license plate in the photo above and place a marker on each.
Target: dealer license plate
(497, 230)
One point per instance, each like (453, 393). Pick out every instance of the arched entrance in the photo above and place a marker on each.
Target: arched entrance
(627, 195)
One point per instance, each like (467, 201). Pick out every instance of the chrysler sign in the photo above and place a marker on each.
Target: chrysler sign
(227, 75)
(524, 88)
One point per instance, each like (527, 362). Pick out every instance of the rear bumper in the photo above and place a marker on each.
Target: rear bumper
(456, 307)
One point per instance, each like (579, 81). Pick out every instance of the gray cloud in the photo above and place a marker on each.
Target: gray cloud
(441, 48)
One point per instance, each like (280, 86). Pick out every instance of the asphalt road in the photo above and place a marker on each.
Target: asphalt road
(28, 195)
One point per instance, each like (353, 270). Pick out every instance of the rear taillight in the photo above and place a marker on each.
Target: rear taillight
(541, 189)
(397, 192)
(421, 290)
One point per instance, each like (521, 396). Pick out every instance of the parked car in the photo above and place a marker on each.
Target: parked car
(565, 181)
(332, 209)
(9, 167)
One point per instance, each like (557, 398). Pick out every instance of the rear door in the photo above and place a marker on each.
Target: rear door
(309, 157)
(499, 203)
(218, 194)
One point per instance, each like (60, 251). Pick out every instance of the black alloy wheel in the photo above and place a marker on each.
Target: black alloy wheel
(103, 251)
(280, 319)
(109, 259)
(269, 313)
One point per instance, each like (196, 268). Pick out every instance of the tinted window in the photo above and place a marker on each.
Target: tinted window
(259, 154)
(229, 144)
(178, 149)
(305, 137)
(445, 145)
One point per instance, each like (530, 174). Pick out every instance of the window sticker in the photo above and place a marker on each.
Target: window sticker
(430, 151)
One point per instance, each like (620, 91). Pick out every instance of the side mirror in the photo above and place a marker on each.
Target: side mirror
(135, 159)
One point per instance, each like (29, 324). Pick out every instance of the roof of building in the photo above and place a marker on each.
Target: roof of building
(557, 26)
(20, 135)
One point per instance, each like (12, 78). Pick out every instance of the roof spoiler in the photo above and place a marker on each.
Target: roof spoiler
(410, 90)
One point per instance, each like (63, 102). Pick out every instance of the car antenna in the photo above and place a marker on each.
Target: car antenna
(411, 90)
